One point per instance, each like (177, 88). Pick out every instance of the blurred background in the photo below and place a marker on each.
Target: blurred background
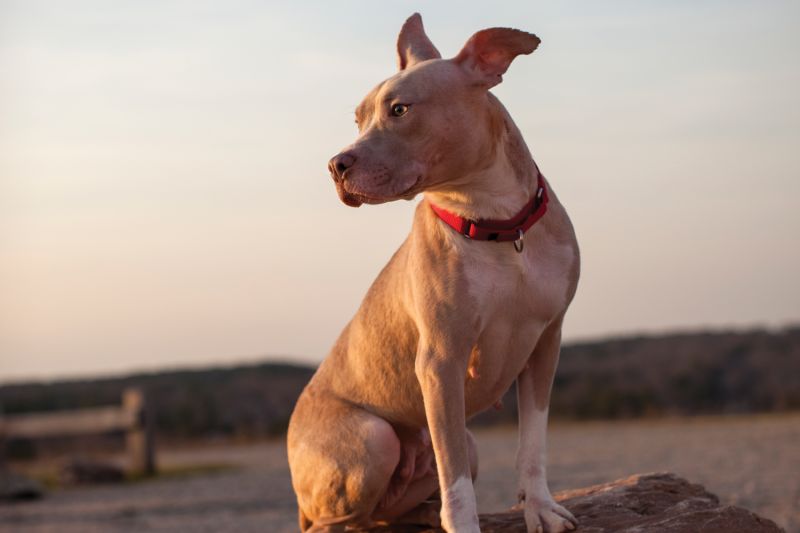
(168, 227)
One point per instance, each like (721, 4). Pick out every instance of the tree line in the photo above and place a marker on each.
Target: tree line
(636, 376)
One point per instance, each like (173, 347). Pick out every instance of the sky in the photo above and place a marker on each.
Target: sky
(164, 197)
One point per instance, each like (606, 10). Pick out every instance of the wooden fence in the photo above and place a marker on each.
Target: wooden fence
(133, 417)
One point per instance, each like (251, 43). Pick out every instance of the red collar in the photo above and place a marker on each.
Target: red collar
(500, 230)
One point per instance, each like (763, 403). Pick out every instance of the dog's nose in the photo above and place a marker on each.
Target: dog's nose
(339, 164)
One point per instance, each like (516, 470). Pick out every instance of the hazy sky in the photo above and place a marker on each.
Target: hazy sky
(164, 198)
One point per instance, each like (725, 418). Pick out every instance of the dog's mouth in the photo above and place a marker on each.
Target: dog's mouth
(353, 199)
(356, 199)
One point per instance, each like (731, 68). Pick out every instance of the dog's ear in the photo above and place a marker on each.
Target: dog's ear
(413, 45)
(488, 53)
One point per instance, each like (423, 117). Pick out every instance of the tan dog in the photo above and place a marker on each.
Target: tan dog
(450, 322)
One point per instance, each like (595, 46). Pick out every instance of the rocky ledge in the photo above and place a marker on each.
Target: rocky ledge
(644, 503)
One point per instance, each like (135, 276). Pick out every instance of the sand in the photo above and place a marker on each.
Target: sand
(751, 461)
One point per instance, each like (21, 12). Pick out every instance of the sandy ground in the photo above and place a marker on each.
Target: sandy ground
(749, 461)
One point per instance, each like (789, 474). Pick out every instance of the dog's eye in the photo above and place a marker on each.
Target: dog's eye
(398, 110)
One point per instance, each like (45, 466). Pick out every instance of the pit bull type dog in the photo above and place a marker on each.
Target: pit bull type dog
(474, 299)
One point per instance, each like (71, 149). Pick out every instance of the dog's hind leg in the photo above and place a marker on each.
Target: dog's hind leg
(341, 458)
(417, 500)
(305, 523)
(425, 514)
(330, 528)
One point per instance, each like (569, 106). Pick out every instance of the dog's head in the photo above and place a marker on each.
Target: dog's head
(431, 122)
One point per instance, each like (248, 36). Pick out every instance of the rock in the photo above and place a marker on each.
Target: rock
(85, 471)
(644, 503)
(18, 487)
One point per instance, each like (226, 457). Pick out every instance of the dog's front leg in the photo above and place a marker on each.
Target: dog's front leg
(534, 383)
(441, 370)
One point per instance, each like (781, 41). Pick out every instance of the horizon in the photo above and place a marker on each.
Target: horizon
(163, 170)
(312, 362)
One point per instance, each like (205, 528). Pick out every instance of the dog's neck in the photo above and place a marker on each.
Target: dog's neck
(500, 189)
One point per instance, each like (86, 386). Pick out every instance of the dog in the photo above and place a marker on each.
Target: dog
(471, 301)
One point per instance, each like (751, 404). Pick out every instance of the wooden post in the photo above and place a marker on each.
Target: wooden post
(3, 439)
(139, 437)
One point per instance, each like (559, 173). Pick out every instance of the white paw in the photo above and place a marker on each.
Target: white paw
(546, 516)
(459, 511)
(471, 528)
(465, 524)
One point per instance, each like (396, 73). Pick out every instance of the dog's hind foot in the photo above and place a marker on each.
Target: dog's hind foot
(425, 514)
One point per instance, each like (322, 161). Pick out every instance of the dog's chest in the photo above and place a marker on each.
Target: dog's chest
(516, 296)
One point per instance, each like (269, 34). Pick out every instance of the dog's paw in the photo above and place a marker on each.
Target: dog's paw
(461, 524)
(425, 514)
(546, 516)
(465, 528)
